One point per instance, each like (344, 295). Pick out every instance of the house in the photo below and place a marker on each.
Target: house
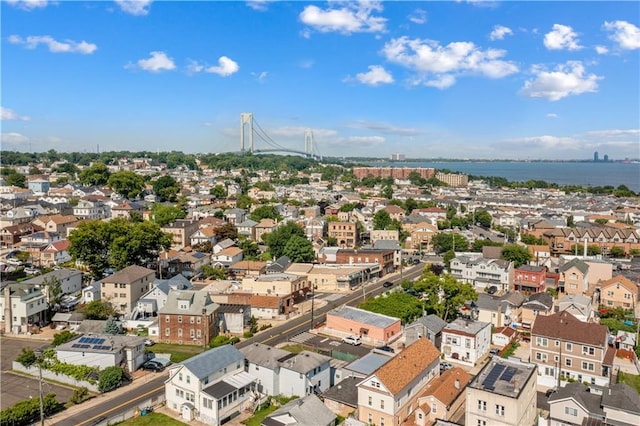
(443, 397)
(375, 329)
(342, 399)
(91, 292)
(536, 304)
(307, 411)
(70, 281)
(233, 318)
(181, 230)
(577, 305)
(304, 373)
(264, 227)
(574, 277)
(279, 266)
(384, 259)
(56, 223)
(483, 272)
(530, 279)
(390, 394)
(103, 350)
(263, 362)
(619, 292)
(503, 336)
(429, 326)
(363, 367)
(247, 228)
(203, 235)
(55, 253)
(247, 268)
(189, 317)
(91, 210)
(276, 285)
(127, 210)
(235, 216)
(332, 278)
(503, 393)
(211, 387)
(420, 235)
(315, 228)
(345, 233)
(22, 306)
(565, 347)
(224, 244)
(125, 287)
(466, 341)
(156, 298)
(11, 235)
(499, 311)
(227, 257)
(621, 405)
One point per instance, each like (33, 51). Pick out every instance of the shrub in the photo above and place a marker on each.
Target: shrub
(247, 334)
(79, 395)
(265, 326)
(28, 411)
(110, 378)
(63, 337)
(27, 357)
(219, 340)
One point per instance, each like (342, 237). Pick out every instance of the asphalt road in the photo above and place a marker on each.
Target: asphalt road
(155, 387)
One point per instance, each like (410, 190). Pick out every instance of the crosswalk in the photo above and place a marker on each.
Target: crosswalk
(303, 337)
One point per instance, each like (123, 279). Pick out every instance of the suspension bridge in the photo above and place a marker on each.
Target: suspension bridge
(254, 130)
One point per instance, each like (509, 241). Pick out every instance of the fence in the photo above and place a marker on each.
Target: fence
(154, 402)
(46, 374)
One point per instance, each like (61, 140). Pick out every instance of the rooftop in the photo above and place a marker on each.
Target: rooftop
(364, 317)
(469, 327)
(504, 377)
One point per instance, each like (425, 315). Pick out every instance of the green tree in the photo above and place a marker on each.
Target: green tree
(381, 220)
(532, 240)
(299, 249)
(479, 243)
(448, 257)
(164, 214)
(443, 294)
(616, 251)
(63, 337)
(53, 286)
(110, 378)
(140, 245)
(226, 231)
(13, 178)
(277, 240)
(484, 218)
(218, 191)
(126, 183)
(517, 254)
(27, 357)
(167, 188)
(265, 212)
(398, 305)
(112, 326)
(99, 310)
(250, 249)
(445, 241)
(95, 175)
(69, 168)
(570, 221)
(215, 272)
(203, 247)
(28, 411)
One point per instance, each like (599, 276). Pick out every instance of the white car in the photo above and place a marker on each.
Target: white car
(13, 261)
(352, 340)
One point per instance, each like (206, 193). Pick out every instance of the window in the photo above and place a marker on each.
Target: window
(370, 401)
(382, 404)
(588, 350)
(482, 405)
(381, 421)
(588, 366)
(568, 346)
(179, 332)
(570, 411)
(179, 318)
(541, 341)
(198, 320)
(500, 410)
(188, 379)
(541, 356)
(167, 332)
(180, 376)
(192, 320)
(167, 319)
(123, 295)
(482, 422)
(567, 362)
(434, 408)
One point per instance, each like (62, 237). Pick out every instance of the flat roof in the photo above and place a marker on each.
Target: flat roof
(365, 317)
(505, 377)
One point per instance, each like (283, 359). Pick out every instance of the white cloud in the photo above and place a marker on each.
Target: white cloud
(566, 80)
(385, 128)
(135, 7)
(376, 76)
(601, 50)
(28, 5)
(307, 63)
(13, 138)
(66, 46)
(552, 115)
(614, 133)
(225, 67)
(624, 33)
(546, 142)
(159, 61)
(259, 5)
(588, 141)
(207, 124)
(499, 31)
(364, 140)
(561, 37)
(9, 114)
(418, 16)
(296, 132)
(260, 76)
(351, 17)
(438, 65)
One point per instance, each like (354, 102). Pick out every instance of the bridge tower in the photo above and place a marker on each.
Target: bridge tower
(308, 142)
(246, 118)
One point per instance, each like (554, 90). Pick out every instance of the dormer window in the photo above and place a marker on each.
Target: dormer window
(183, 304)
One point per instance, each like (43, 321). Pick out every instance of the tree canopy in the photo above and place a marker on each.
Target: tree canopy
(444, 241)
(443, 294)
(265, 212)
(517, 254)
(95, 175)
(166, 188)
(98, 310)
(126, 183)
(397, 304)
(164, 214)
(299, 249)
(277, 240)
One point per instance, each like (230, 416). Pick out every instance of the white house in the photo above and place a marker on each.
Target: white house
(155, 299)
(482, 272)
(211, 387)
(227, 257)
(70, 281)
(466, 341)
(103, 350)
(21, 307)
(91, 292)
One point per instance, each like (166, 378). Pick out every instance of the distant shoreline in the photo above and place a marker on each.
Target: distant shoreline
(453, 160)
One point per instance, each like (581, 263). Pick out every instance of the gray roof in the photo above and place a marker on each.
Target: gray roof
(466, 326)
(101, 343)
(280, 265)
(364, 317)
(307, 411)
(61, 274)
(431, 322)
(577, 263)
(263, 355)
(345, 392)
(580, 393)
(505, 377)
(219, 389)
(539, 301)
(198, 301)
(213, 360)
(128, 275)
(304, 361)
(621, 397)
(369, 363)
(387, 245)
(247, 224)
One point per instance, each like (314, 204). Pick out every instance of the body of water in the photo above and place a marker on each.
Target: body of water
(569, 173)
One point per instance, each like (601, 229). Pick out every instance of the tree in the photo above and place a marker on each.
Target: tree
(99, 310)
(299, 249)
(278, 239)
(398, 305)
(63, 337)
(444, 295)
(570, 221)
(164, 214)
(126, 183)
(140, 245)
(53, 286)
(27, 357)
(444, 241)
(250, 249)
(484, 218)
(532, 240)
(517, 254)
(166, 187)
(480, 243)
(13, 178)
(616, 251)
(203, 247)
(381, 220)
(95, 175)
(215, 272)
(226, 231)
(110, 378)
(218, 191)
(448, 257)
(112, 326)
(387, 192)
(265, 212)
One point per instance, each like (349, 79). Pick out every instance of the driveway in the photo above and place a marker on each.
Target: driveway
(14, 387)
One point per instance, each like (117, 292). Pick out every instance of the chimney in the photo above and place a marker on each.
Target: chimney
(456, 384)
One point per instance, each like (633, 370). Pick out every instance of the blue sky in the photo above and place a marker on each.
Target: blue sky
(457, 79)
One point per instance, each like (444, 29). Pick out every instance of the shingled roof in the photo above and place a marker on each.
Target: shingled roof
(564, 326)
(396, 374)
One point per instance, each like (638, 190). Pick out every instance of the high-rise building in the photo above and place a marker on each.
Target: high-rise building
(396, 156)
(606, 158)
(595, 156)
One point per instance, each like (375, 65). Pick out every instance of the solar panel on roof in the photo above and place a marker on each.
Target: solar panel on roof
(100, 341)
(83, 339)
(76, 345)
(508, 374)
(493, 375)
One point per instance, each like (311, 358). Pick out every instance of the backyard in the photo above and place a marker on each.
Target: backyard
(178, 352)
(155, 419)
(632, 380)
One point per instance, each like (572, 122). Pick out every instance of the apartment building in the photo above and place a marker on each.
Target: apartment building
(483, 272)
(453, 179)
(188, 317)
(181, 231)
(22, 306)
(345, 233)
(466, 341)
(574, 277)
(619, 292)
(394, 172)
(529, 279)
(564, 240)
(565, 347)
(503, 393)
(124, 288)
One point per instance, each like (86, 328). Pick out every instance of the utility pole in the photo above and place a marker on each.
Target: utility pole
(313, 301)
(39, 361)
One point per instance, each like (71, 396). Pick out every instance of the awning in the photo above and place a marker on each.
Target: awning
(240, 380)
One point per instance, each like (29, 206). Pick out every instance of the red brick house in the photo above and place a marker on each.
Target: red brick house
(529, 279)
(188, 317)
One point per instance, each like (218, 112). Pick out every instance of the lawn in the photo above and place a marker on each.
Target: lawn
(155, 419)
(295, 348)
(632, 380)
(259, 416)
(178, 352)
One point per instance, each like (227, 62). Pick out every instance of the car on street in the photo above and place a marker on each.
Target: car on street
(352, 340)
(494, 352)
(492, 290)
(387, 284)
(444, 366)
(13, 261)
(386, 348)
(152, 366)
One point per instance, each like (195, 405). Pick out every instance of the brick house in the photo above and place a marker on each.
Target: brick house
(345, 233)
(529, 279)
(383, 257)
(376, 329)
(188, 317)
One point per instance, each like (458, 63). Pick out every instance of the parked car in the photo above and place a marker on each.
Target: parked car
(387, 348)
(387, 284)
(152, 366)
(352, 340)
(149, 342)
(492, 290)
(13, 261)
(494, 352)
(444, 366)
(30, 270)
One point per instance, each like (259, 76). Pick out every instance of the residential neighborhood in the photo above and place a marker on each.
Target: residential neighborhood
(245, 295)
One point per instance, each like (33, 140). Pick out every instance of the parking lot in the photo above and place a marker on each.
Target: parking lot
(15, 388)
